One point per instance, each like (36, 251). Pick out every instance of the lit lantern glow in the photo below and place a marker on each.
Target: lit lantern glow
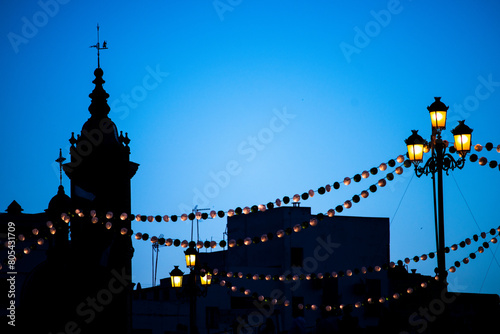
(198, 215)
(206, 279)
(138, 236)
(49, 224)
(297, 228)
(230, 213)
(264, 238)
(262, 207)
(213, 214)
(437, 111)
(123, 231)
(199, 244)
(365, 174)
(296, 197)
(347, 181)
(184, 217)
(52, 230)
(280, 233)
(246, 210)
(176, 276)
(95, 220)
(331, 213)
(27, 251)
(415, 144)
(93, 213)
(190, 257)
(313, 222)
(247, 241)
(462, 135)
(184, 243)
(109, 215)
(40, 242)
(35, 231)
(168, 242)
(108, 225)
(311, 193)
(213, 244)
(232, 243)
(123, 216)
(154, 239)
(138, 218)
(383, 166)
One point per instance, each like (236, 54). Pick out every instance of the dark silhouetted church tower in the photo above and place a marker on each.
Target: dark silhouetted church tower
(100, 172)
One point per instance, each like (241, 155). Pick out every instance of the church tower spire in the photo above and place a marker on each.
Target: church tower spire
(100, 171)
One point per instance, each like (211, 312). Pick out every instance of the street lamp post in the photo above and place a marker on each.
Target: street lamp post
(439, 161)
(192, 289)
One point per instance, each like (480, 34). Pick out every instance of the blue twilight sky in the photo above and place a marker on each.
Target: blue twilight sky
(279, 98)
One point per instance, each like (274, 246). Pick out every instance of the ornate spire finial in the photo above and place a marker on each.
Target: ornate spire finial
(60, 161)
(99, 47)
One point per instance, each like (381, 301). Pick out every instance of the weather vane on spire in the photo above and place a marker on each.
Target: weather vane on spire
(99, 47)
(60, 161)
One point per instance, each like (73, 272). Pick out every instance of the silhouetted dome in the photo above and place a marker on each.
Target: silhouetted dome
(60, 202)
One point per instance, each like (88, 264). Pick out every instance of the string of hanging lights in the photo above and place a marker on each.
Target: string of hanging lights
(282, 232)
(361, 303)
(278, 202)
(366, 269)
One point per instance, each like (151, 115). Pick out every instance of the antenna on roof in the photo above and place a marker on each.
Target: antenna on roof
(99, 47)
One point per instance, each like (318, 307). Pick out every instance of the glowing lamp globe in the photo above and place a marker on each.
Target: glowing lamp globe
(415, 144)
(438, 111)
(176, 276)
(462, 134)
(190, 257)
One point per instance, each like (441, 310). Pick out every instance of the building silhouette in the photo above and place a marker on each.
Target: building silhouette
(83, 281)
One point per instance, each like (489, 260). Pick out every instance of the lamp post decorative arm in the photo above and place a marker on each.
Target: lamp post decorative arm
(440, 159)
